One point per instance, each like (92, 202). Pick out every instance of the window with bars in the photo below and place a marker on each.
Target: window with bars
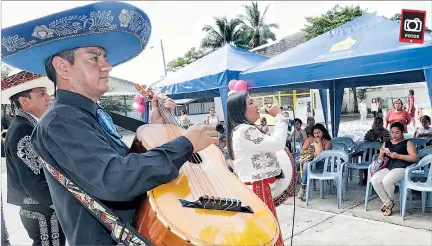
(195, 108)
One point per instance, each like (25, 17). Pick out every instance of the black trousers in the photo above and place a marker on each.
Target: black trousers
(42, 225)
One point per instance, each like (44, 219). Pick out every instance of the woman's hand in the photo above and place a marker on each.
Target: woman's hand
(393, 155)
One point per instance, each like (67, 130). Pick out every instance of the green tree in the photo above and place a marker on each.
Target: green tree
(255, 30)
(190, 56)
(227, 31)
(5, 70)
(5, 108)
(333, 18)
(396, 17)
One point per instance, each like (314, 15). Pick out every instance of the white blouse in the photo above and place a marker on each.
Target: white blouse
(257, 155)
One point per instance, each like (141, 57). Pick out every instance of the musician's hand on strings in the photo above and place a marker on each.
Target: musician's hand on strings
(155, 116)
(201, 136)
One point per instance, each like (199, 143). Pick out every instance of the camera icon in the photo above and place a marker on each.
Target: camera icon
(413, 25)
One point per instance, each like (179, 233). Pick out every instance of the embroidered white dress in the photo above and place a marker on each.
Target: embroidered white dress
(256, 155)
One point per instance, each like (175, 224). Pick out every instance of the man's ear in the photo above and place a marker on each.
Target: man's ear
(23, 100)
(61, 66)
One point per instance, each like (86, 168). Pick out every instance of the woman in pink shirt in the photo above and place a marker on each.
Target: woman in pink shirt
(398, 114)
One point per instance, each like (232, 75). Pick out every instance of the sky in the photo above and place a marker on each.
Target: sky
(179, 24)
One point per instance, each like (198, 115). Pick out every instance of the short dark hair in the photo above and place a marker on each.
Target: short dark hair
(425, 117)
(411, 91)
(398, 125)
(15, 98)
(49, 68)
(378, 118)
(298, 120)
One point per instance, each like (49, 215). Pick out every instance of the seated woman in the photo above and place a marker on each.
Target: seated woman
(255, 154)
(314, 145)
(299, 134)
(424, 131)
(400, 153)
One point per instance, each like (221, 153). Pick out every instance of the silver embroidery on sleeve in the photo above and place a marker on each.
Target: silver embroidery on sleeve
(28, 155)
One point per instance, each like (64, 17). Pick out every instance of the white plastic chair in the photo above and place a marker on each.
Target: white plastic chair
(334, 165)
(425, 187)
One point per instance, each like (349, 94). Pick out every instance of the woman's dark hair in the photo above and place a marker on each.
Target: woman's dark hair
(236, 115)
(396, 101)
(322, 128)
(374, 99)
(426, 117)
(212, 108)
(411, 92)
(398, 125)
(298, 120)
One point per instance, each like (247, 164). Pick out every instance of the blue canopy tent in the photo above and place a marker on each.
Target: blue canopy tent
(363, 52)
(210, 75)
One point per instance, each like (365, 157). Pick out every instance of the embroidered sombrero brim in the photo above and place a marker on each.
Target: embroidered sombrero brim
(121, 29)
(23, 81)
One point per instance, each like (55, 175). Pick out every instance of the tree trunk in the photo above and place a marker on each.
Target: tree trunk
(354, 90)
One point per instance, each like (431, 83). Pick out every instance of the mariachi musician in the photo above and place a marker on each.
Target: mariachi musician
(77, 49)
(27, 186)
(259, 158)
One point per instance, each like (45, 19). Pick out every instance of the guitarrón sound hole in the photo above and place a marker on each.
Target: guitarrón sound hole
(195, 158)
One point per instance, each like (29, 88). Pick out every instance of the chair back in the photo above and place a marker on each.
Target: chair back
(419, 143)
(345, 140)
(426, 163)
(340, 146)
(423, 152)
(369, 150)
(334, 160)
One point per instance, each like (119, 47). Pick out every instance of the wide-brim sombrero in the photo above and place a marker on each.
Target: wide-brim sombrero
(123, 30)
(23, 81)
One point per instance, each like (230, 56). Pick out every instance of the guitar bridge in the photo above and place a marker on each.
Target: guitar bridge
(217, 203)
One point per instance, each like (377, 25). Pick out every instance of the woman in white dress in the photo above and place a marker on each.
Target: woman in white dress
(374, 107)
(212, 118)
(256, 156)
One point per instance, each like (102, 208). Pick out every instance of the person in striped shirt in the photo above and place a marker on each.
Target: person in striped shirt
(378, 133)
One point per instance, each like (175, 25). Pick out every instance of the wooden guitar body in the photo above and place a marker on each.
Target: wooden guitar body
(164, 220)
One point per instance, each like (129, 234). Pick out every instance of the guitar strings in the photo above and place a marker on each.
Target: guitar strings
(172, 133)
(221, 186)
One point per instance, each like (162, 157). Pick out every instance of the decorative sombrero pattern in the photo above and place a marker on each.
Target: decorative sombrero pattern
(23, 81)
(123, 30)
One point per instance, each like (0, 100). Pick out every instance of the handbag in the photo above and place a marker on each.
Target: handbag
(379, 164)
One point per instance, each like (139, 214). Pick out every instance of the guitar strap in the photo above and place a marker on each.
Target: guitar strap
(121, 232)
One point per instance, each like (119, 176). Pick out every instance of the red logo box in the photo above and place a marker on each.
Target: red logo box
(412, 26)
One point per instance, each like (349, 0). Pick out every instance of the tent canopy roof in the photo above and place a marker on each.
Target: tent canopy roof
(368, 45)
(210, 72)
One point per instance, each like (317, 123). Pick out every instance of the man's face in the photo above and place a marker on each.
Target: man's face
(38, 102)
(90, 72)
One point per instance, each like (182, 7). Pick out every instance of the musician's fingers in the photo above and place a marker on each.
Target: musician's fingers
(169, 103)
(154, 101)
(210, 127)
(213, 133)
